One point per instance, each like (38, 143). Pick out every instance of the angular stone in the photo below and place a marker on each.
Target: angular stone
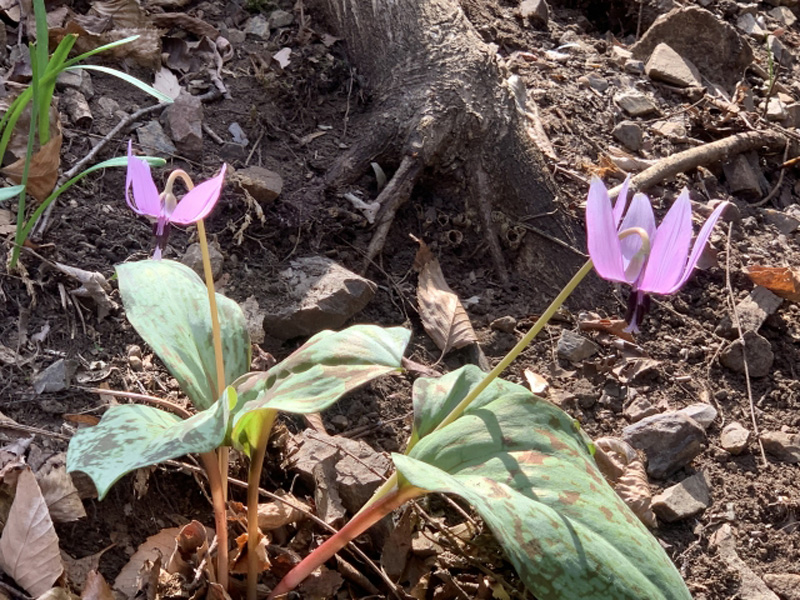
(670, 67)
(78, 79)
(594, 81)
(784, 15)
(701, 412)
(669, 128)
(262, 184)
(734, 438)
(714, 47)
(783, 446)
(153, 140)
(682, 500)
(193, 258)
(759, 355)
(787, 221)
(780, 52)
(786, 585)
(776, 110)
(574, 347)
(536, 12)
(257, 26)
(743, 178)
(636, 104)
(629, 134)
(183, 121)
(749, 25)
(619, 55)
(751, 587)
(254, 318)
(55, 378)
(506, 324)
(634, 66)
(639, 409)
(316, 294)
(669, 440)
(752, 311)
(280, 18)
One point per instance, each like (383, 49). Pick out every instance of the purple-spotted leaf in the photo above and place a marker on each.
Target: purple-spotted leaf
(167, 304)
(327, 366)
(133, 436)
(528, 470)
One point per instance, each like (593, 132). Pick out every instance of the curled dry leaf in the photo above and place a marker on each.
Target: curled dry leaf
(191, 546)
(123, 13)
(272, 515)
(781, 281)
(43, 170)
(536, 383)
(96, 588)
(7, 222)
(442, 313)
(29, 551)
(93, 285)
(160, 544)
(631, 485)
(239, 558)
(144, 51)
(78, 569)
(61, 496)
(613, 326)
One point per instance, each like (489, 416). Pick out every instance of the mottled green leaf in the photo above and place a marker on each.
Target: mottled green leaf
(167, 303)
(527, 469)
(322, 370)
(132, 436)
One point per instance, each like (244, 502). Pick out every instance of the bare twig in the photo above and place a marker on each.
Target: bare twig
(737, 323)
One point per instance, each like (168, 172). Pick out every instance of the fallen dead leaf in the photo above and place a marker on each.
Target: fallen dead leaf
(321, 585)
(443, 315)
(181, 20)
(632, 485)
(96, 588)
(57, 593)
(536, 383)
(91, 31)
(272, 515)
(239, 558)
(160, 544)
(167, 83)
(29, 545)
(782, 281)
(282, 57)
(613, 326)
(126, 14)
(191, 546)
(79, 568)
(7, 223)
(93, 285)
(61, 496)
(43, 170)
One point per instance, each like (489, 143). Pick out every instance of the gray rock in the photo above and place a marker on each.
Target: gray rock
(635, 103)
(786, 585)
(316, 294)
(238, 134)
(670, 67)
(108, 106)
(701, 412)
(629, 134)
(536, 12)
(153, 140)
(257, 26)
(717, 50)
(78, 79)
(669, 440)
(780, 52)
(669, 128)
(280, 18)
(634, 66)
(787, 221)
(783, 446)
(193, 258)
(262, 184)
(776, 110)
(783, 15)
(183, 121)
(574, 347)
(744, 178)
(55, 378)
(254, 318)
(734, 438)
(619, 55)
(752, 311)
(594, 81)
(749, 25)
(506, 324)
(759, 355)
(751, 587)
(792, 115)
(683, 500)
(640, 408)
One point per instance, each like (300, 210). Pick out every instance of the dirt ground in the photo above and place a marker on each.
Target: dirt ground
(91, 228)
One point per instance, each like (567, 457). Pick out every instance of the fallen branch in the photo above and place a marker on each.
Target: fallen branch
(710, 153)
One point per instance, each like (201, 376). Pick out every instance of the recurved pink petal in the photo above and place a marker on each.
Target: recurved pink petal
(699, 245)
(145, 199)
(199, 201)
(669, 249)
(622, 200)
(640, 214)
(601, 234)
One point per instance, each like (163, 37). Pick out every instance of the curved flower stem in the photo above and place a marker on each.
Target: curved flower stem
(253, 480)
(220, 516)
(391, 483)
(222, 453)
(355, 527)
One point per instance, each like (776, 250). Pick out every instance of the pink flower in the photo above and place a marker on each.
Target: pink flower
(650, 259)
(164, 209)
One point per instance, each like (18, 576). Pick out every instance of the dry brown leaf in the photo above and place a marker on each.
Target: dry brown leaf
(96, 588)
(79, 568)
(29, 545)
(43, 170)
(180, 20)
(61, 496)
(782, 281)
(272, 515)
(144, 51)
(191, 546)
(322, 584)
(123, 13)
(160, 544)
(536, 383)
(8, 224)
(613, 326)
(57, 593)
(443, 315)
(93, 285)
(239, 557)
(632, 485)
